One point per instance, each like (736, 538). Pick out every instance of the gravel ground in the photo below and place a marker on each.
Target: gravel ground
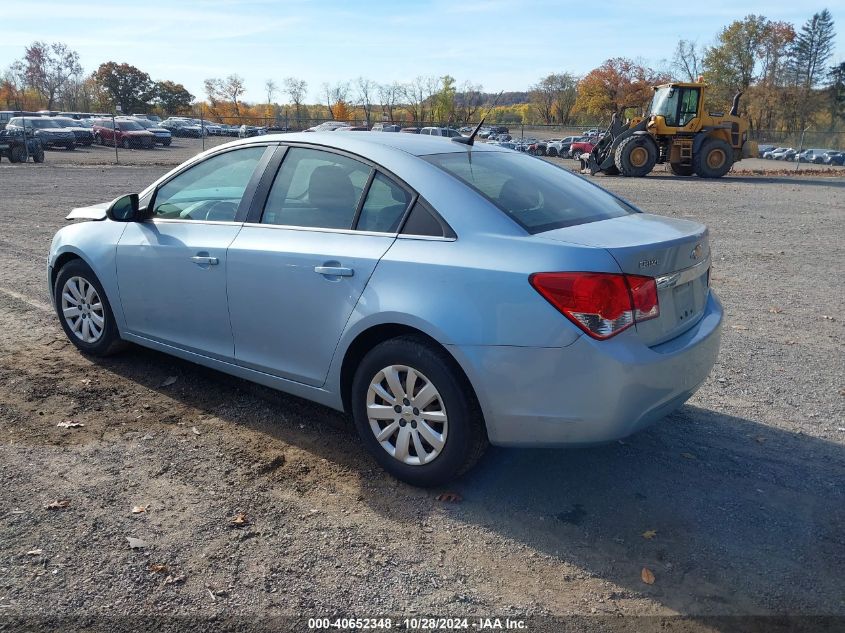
(735, 503)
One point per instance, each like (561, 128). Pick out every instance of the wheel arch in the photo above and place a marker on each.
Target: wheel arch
(375, 334)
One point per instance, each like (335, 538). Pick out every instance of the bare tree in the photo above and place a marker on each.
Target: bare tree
(228, 89)
(336, 95)
(296, 89)
(418, 94)
(389, 95)
(271, 89)
(554, 97)
(365, 90)
(469, 99)
(48, 67)
(687, 60)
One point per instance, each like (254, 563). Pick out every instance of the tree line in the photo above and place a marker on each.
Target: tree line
(783, 71)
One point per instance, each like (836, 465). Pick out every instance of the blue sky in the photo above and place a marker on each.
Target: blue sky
(504, 45)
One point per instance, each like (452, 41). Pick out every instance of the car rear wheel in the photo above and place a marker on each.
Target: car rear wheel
(415, 412)
(551, 151)
(38, 154)
(125, 143)
(84, 311)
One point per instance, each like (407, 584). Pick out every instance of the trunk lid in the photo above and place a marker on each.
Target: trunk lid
(676, 252)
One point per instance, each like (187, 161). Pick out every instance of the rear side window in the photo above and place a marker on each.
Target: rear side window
(384, 207)
(534, 193)
(316, 189)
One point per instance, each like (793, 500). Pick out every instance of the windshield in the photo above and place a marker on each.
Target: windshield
(41, 123)
(129, 126)
(145, 123)
(538, 195)
(665, 102)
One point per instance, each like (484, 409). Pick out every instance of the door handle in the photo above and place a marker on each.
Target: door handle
(334, 271)
(205, 260)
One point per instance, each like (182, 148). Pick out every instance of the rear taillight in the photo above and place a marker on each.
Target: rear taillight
(601, 304)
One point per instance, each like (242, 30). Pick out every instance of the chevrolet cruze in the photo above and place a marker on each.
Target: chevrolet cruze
(446, 295)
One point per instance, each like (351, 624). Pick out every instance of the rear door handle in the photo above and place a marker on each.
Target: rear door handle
(205, 260)
(334, 271)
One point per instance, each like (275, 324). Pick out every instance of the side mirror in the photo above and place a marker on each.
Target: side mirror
(124, 209)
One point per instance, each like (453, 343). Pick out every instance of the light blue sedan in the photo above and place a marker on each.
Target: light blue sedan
(446, 295)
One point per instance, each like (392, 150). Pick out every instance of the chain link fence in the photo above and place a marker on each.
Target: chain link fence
(148, 139)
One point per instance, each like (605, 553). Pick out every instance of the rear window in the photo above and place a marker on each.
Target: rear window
(536, 194)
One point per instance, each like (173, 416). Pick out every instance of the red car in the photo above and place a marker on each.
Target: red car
(129, 134)
(580, 147)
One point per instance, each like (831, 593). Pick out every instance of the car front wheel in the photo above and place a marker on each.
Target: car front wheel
(415, 412)
(84, 311)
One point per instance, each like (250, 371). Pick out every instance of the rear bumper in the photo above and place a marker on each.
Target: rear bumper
(590, 391)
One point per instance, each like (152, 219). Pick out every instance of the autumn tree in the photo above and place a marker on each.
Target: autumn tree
(126, 86)
(337, 99)
(173, 98)
(618, 83)
(47, 68)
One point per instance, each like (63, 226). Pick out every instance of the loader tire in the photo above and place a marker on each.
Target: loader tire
(681, 170)
(635, 156)
(714, 159)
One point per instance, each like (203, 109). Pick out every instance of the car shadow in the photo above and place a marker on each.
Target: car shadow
(732, 516)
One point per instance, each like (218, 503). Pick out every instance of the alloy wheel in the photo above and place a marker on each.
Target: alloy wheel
(407, 415)
(83, 310)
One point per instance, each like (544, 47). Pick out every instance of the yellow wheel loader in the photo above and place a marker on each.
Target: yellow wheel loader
(676, 131)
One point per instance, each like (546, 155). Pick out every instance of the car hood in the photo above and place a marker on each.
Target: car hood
(91, 212)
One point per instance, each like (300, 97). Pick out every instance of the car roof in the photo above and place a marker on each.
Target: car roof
(364, 142)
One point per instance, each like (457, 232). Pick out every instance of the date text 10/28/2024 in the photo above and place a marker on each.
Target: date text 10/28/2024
(417, 624)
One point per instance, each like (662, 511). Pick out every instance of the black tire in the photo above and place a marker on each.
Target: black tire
(38, 154)
(551, 151)
(681, 170)
(109, 340)
(126, 144)
(70, 147)
(466, 438)
(714, 159)
(17, 154)
(635, 156)
(100, 140)
(166, 143)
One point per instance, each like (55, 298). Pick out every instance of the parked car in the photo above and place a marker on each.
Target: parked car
(581, 147)
(353, 128)
(811, 156)
(328, 126)
(411, 130)
(162, 136)
(123, 132)
(439, 131)
(46, 130)
(247, 131)
(538, 148)
(543, 311)
(560, 147)
(7, 115)
(833, 158)
(780, 153)
(148, 117)
(13, 148)
(385, 127)
(180, 127)
(82, 134)
(762, 149)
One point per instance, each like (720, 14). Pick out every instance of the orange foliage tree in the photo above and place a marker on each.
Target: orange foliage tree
(619, 82)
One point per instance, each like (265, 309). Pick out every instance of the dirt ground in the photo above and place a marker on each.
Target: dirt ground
(735, 503)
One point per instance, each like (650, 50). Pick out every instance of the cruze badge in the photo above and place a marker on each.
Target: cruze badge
(647, 263)
(696, 252)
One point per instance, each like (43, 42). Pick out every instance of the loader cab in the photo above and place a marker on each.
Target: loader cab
(678, 104)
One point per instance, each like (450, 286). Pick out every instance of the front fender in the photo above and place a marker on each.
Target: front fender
(95, 243)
